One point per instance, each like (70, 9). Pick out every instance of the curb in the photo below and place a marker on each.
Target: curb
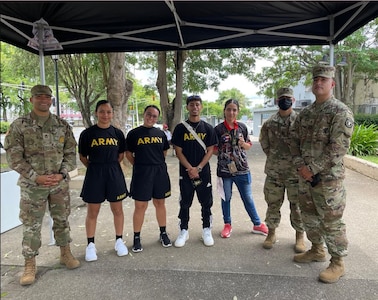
(361, 166)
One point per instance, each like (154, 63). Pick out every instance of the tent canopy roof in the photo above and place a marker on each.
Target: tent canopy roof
(117, 26)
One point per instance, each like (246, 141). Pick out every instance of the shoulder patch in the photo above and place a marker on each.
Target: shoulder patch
(349, 122)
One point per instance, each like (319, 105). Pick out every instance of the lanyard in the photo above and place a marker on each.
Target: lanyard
(234, 139)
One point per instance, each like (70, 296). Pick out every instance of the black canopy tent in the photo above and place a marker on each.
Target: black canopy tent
(85, 27)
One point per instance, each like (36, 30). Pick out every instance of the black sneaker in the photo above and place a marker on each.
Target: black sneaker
(165, 241)
(137, 247)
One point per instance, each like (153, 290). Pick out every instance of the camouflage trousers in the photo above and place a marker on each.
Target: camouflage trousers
(322, 209)
(32, 210)
(274, 191)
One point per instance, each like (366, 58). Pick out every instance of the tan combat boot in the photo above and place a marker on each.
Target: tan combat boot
(67, 259)
(29, 273)
(334, 271)
(299, 242)
(316, 253)
(270, 239)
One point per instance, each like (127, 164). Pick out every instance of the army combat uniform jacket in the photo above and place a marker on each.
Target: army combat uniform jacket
(35, 148)
(322, 137)
(275, 141)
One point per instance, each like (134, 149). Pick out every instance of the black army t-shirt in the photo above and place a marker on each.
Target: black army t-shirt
(148, 145)
(101, 145)
(191, 149)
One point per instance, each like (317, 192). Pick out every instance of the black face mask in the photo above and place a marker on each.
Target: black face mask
(285, 103)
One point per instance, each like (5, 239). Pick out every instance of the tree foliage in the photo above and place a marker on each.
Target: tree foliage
(233, 93)
(191, 72)
(18, 74)
(291, 64)
(82, 76)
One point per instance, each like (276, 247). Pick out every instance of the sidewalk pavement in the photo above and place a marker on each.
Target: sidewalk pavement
(236, 268)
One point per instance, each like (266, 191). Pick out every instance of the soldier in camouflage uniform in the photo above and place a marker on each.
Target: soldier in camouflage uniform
(322, 133)
(42, 149)
(281, 174)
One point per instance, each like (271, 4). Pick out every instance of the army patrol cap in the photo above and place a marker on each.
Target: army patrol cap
(41, 90)
(323, 71)
(285, 92)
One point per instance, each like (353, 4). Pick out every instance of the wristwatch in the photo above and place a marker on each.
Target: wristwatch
(199, 169)
(64, 175)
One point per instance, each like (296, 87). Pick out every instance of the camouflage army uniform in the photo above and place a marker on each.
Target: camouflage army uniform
(280, 172)
(35, 148)
(322, 138)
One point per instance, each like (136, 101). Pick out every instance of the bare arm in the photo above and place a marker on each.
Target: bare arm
(130, 157)
(121, 156)
(84, 160)
(215, 150)
(193, 170)
(207, 156)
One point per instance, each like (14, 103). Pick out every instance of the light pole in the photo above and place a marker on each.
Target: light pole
(55, 59)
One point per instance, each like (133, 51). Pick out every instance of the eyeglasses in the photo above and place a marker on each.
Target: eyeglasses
(149, 115)
(194, 98)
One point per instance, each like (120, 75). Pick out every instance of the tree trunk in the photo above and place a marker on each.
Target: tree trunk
(162, 86)
(129, 86)
(350, 87)
(117, 88)
(339, 84)
(171, 111)
(177, 102)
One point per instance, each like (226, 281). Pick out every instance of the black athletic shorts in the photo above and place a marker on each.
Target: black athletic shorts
(104, 182)
(149, 182)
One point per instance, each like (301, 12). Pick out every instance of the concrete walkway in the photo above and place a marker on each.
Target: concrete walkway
(235, 268)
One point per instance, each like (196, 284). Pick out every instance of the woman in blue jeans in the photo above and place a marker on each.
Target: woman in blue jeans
(232, 167)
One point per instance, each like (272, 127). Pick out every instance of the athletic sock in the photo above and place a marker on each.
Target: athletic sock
(162, 229)
(90, 240)
(118, 237)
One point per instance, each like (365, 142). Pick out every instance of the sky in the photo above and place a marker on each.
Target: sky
(239, 82)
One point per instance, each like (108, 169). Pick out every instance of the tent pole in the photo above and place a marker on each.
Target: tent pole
(40, 49)
(331, 54)
(42, 66)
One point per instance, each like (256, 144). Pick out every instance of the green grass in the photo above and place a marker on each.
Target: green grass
(371, 158)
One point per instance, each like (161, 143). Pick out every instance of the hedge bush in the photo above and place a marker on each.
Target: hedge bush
(366, 119)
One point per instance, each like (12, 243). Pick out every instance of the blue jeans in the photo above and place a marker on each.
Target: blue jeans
(243, 183)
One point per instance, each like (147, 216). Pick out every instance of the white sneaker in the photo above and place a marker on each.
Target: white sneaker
(120, 247)
(207, 237)
(182, 238)
(90, 252)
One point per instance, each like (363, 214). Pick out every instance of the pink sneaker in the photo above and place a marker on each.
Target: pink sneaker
(260, 229)
(226, 232)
